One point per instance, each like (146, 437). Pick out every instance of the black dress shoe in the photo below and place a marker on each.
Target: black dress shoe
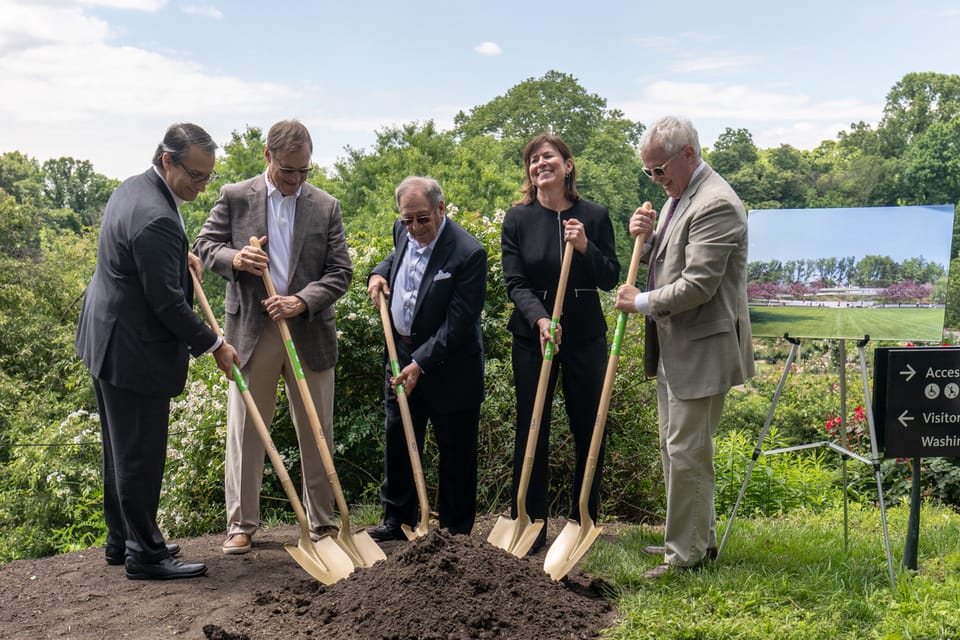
(114, 555)
(386, 532)
(166, 569)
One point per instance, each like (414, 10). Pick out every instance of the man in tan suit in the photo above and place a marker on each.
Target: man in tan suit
(301, 229)
(698, 340)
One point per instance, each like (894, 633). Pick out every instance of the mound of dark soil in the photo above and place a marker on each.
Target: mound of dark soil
(437, 587)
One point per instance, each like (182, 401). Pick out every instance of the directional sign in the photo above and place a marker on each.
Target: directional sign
(916, 401)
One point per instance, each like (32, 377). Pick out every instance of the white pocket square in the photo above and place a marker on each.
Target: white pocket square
(441, 275)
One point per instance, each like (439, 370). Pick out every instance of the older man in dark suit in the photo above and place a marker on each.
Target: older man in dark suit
(436, 278)
(698, 339)
(302, 230)
(136, 332)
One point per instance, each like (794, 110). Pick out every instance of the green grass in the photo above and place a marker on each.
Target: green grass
(790, 578)
(921, 325)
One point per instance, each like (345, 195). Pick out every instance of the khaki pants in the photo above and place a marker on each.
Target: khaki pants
(243, 465)
(686, 450)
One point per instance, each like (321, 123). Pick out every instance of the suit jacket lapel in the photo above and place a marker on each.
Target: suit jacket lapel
(257, 197)
(301, 220)
(441, 252)
(680, 208)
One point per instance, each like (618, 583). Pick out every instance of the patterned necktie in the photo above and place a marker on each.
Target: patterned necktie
(671, 207)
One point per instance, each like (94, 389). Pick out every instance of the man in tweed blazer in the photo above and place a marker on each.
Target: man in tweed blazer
(698, 339)
(301, 230)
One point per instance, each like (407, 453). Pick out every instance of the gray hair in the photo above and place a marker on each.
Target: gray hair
(177, 142)
(672, 133)
(429, 187)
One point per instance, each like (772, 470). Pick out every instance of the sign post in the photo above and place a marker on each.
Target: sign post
(919, 409)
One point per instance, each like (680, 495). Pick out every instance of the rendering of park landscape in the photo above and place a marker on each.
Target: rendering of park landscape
(850, 273)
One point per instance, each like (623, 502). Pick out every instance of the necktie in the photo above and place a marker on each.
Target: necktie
(671, 207)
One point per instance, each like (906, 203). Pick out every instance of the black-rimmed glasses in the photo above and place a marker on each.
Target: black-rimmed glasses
(196, 177)
(658, 171)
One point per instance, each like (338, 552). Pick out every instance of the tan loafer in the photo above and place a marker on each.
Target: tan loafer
(236, 544)
(326, 531)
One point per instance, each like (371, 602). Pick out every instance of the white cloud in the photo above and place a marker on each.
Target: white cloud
(488, 49)
(785, 117)
(202, 10)
(68, 80)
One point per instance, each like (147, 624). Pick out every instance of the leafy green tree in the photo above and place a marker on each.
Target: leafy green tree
(916, 103)
(733, 150)
(73, 184)
(553, 103)
(932, 165)
(20, 177)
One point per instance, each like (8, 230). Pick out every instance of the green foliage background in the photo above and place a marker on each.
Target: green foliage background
(50, 490)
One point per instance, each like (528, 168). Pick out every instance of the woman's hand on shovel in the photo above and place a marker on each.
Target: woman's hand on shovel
(543, 324)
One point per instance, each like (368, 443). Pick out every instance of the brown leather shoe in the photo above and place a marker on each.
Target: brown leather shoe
(654, 550)
(236, 544)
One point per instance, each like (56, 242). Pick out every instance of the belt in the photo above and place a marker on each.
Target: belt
(405, 339)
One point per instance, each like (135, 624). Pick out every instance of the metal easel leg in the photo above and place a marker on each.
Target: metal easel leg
(757, 450)
(876, 458)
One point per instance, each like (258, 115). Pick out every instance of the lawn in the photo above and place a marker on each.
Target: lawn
(790, 578)
(913, 324)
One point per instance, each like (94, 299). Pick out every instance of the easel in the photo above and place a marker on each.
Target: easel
(842, 448)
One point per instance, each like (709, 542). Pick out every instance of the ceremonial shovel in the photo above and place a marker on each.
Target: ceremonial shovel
(517, 536)
(415, 464)
(575, 539)
(323, 559)
(361, 548)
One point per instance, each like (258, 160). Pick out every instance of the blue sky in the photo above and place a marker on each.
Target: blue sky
(898, 232)
(101, 79)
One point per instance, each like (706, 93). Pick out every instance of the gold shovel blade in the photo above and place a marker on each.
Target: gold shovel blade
(571, 545)
(360, 548)
(515, 536)
(323, 560)
(412, 533)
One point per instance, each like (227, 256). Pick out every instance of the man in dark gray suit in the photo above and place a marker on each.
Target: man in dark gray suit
(436, 278)
(301, 228)
(136, 332)
(698, 338)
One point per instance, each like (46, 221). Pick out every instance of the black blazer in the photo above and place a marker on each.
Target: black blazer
(446, 340)
(137, 326)
(531, 239)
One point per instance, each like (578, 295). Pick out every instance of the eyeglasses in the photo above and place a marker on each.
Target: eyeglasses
(420, 219)
(660, 170)
(289, 171)
(196, 177)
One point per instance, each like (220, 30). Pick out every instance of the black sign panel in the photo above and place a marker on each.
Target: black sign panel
(917, 401)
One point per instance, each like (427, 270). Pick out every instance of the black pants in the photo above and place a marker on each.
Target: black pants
(134, 428)
(583, 366)
(456, 435)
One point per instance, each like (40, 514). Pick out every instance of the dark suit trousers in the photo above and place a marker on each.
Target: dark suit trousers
(134, 428)
(583, 367)
(456, 435)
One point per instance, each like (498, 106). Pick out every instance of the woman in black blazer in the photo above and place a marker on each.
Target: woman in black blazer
(534, 233)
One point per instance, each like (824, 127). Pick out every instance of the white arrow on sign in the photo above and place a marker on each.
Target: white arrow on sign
(910, 372)
(904, 419)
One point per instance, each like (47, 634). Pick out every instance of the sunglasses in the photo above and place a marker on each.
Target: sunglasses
(662, 169)
(419, 219)
(289, 171)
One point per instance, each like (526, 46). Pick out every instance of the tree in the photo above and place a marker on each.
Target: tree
(916, 103)
(73, 184)
(733, 150)
(20, 177)
(554, 103)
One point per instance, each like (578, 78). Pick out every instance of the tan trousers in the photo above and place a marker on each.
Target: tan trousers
(243, 465)
(686, 450)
